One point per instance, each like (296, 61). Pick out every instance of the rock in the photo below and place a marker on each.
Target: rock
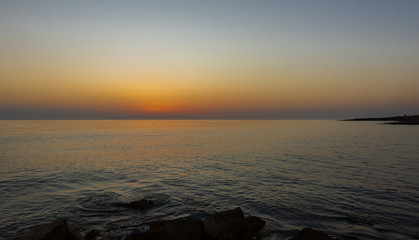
(253, 226)
(50, 231)
(232, 225)
(111, 237)
(145, 236)
(171, 230)
(92, 234)
(140, 204)
(227, 225)
(311, 234)
(246, 230)
(178, 229)
(220, 222)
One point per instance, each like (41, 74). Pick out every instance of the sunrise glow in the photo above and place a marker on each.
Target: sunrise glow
(268, 60)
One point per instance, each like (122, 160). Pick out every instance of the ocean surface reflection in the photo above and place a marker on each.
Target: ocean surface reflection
(354, 180)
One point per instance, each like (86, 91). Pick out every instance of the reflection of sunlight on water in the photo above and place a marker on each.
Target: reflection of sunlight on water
(331, 175)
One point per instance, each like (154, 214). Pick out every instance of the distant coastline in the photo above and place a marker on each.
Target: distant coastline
(402, 120)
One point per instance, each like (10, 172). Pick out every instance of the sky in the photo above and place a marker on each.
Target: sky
(208, 59)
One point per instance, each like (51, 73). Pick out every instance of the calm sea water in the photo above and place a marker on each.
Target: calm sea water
(354, 180)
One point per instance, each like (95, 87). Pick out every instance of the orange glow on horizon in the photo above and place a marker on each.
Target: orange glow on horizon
(160, 108)
(138, 63)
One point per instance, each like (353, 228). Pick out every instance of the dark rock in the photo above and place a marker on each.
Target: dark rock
(171, 230)
(50, 231)
(140, 204)
(111, 237)
(178, 229)
(220, 222)
(246, 230)
(146, 236)
(403, 120)
(311, 234)
(232, 225)
(253, 226)
(92, 234)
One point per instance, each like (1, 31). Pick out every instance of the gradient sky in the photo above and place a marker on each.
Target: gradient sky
(208, 59)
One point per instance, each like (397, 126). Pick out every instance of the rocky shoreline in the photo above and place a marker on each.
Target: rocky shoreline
(399, 120)
(225, 225)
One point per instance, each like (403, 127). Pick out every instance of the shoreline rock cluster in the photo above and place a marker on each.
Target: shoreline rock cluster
(396, 120)
(225, 225)
(230, 224)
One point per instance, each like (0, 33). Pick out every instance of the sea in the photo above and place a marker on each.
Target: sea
(352, 180)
